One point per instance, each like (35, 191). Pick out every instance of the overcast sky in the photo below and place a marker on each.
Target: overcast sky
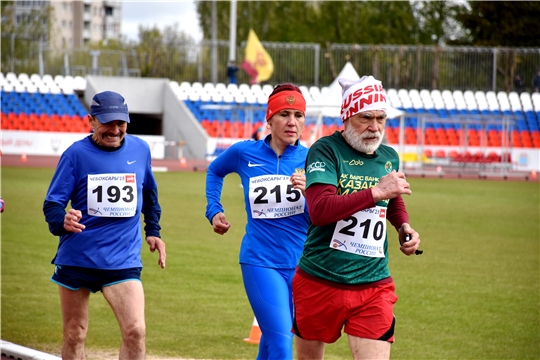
(160, 13)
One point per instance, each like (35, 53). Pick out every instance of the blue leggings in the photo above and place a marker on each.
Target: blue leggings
(270, 294)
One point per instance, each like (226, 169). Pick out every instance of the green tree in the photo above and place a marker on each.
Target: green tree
(20, 41)
(165, 54)
(437, 22)
(501, 23)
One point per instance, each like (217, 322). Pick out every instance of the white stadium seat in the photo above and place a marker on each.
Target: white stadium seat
(31, 88)
(245, 89)
(481, 101)
(233, 89)
(425, 96)
(504, 103)
(59, 79)
(262, 99)
(393, 98)
(8, 87)
(239, 98)
(36, 80)
(221, 88)
(256, 89)
(181, 95)
(526, 101)
(11, 77)
(306, 94)
(493, 103)
(267, 90)
(324, 90)
(448, 98)
(315, 93)
(185, 86)
(44, 89)
(405, 99)
(194, 96)
(196, 87)
(79, 83)
(470, 100)
(535, 98)
(209, 88)
(438, 102)
(515, 102)
(459, 100)
(216, 97)
(228, 98)
(20, 88)
(47, 79)
(251, 99)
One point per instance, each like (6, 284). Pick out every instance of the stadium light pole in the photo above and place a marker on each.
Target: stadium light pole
(232, 31)
(214, 43)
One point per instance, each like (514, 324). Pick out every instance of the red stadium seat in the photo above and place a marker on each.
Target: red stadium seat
(440, 154)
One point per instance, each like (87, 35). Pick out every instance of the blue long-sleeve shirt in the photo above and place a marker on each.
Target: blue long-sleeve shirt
(113, 241)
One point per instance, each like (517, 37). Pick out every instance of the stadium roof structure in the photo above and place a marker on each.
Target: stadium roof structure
(330, 103)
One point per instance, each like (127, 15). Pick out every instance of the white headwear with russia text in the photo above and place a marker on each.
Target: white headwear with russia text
(361, 95)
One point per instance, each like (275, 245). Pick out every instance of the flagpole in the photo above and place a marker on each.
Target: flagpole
(232, 32)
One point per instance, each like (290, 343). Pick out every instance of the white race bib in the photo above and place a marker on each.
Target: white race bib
(363, 233)
(112, 195)
(273, 196)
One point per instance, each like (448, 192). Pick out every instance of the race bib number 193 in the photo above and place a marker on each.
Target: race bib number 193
(112, 195)
(363, 233)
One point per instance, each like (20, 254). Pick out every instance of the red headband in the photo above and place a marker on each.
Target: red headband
(288, 99)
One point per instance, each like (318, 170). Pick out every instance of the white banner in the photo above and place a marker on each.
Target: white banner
(55, 143)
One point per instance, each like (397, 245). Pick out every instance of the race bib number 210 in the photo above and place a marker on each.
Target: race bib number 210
(363, 233)
(112, 195)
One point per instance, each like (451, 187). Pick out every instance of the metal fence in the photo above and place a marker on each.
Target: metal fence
(407, 67)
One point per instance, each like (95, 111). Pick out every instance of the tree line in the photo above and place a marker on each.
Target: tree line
(164, 52)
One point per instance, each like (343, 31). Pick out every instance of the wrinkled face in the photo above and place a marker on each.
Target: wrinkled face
(364, 131)
(110, 134)
(286, 126)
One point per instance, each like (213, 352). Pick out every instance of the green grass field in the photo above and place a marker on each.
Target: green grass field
(473, 294)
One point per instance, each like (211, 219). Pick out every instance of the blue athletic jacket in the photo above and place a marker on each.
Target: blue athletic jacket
(270, 240)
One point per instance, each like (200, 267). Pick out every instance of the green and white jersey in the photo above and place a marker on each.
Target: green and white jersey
(353, 250)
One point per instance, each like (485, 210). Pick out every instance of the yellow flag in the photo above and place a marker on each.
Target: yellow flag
(257, 63)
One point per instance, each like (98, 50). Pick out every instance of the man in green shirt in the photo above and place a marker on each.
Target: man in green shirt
(353, 185)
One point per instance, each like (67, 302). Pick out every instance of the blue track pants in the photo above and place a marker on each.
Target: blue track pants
(269, 292)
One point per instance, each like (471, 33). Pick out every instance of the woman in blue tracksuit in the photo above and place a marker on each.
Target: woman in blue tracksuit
(272, 174)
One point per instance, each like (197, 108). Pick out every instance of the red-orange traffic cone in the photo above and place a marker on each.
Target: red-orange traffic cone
(533, 174)
(23, 157)
(255, 333)
(183, 161)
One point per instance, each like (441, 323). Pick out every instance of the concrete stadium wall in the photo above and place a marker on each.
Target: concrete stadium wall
(179, 124)
(154, 96)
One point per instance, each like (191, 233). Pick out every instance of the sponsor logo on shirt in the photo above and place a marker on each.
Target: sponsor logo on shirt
(252, 165)
(354, 162)
(316, 166)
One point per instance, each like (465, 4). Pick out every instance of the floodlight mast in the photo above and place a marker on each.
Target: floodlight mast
(232, 31)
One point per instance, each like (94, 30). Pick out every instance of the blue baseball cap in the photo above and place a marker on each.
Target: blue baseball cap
(109, 106)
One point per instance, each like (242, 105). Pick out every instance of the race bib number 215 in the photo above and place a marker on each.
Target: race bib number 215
(112, 195)
(273, 197)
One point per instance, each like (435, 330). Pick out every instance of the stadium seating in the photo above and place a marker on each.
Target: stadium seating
(47, 103)
(34, 103)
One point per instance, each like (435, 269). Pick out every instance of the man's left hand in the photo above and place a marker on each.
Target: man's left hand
(408, 247)
(157, 243)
